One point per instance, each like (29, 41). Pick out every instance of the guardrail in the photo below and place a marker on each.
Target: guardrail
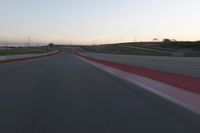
(14, 58)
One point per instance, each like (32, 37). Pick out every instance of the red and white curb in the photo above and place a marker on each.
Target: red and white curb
(179, 96)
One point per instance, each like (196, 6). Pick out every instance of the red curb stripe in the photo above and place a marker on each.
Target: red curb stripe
(185, 82)
(29, 58)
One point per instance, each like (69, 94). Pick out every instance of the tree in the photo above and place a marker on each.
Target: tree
(155, 39)
(166, 40)
(51, 45)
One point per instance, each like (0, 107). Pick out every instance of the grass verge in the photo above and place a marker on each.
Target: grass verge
(25, 51)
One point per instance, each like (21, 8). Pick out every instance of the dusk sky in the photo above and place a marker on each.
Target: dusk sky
(98, 21)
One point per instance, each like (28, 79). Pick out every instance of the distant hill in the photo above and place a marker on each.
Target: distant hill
(149, 48)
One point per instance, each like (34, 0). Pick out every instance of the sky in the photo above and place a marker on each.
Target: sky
(98, 21)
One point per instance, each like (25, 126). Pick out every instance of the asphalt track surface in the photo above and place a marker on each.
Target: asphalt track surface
(63, 94)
